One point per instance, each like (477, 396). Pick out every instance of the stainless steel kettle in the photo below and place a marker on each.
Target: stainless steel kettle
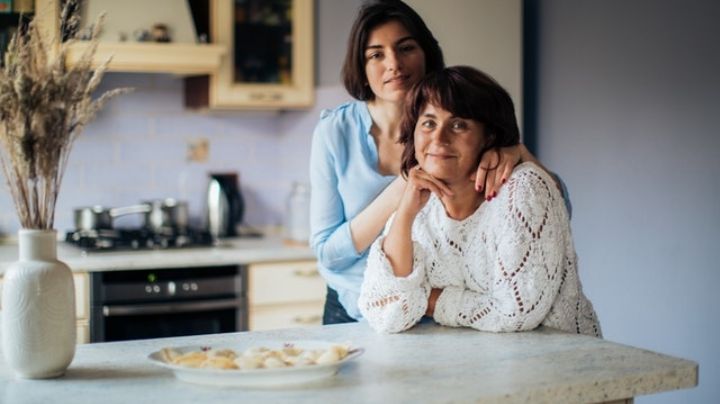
(225, 205)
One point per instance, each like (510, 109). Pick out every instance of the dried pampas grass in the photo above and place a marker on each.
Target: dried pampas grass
(44, 106)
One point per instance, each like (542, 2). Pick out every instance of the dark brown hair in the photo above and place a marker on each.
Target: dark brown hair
(371, 15)
(467, 93)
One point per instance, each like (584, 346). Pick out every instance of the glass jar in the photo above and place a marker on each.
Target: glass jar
(297, 215)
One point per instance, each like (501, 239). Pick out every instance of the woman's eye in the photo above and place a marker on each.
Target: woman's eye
(374, 55)
(407, 48)
(428, 124)
(459, 125)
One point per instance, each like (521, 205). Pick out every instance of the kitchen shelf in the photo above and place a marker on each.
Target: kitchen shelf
(172, 58)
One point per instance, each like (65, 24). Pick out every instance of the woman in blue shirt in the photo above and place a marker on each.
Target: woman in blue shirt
(355, 158)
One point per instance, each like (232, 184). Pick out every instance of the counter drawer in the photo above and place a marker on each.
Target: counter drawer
(287, 282)
(82, 295)
(83, 332)
(271, 317)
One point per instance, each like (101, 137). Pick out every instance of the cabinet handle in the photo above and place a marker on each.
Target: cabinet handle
(306, 273)
(313, 319)
(266, 96)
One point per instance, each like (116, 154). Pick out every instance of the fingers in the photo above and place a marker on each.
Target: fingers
(507, 172)
(502, 174)
(480, 177)
(505, 160)
(424, 180)
(494, 159)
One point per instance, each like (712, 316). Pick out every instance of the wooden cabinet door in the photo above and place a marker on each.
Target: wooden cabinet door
(286, 282)
(271, 317)
(285, 295)
(270, 59)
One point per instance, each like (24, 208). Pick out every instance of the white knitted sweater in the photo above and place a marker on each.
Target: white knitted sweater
(510, 266)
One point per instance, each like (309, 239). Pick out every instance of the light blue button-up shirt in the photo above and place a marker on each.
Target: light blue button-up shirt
(344, 179)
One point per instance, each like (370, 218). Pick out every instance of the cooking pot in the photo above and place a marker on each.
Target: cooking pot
(166, 215)
(101, 218)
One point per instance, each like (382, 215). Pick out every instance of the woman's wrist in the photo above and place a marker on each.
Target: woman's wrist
(525, 155)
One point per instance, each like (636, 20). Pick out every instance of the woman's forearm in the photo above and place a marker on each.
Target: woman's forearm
(398, 246)
(367, 225)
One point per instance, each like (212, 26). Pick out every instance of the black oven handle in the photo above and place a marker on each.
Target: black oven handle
(166, 308)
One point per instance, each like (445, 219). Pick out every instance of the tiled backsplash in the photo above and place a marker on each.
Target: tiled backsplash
(136, 149)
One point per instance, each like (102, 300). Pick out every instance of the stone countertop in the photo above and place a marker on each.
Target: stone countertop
(429, 363)
(234, 251)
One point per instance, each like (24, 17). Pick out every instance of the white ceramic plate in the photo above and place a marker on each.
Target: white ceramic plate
(259, 378)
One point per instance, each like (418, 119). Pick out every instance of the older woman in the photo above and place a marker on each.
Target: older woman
(447, 253)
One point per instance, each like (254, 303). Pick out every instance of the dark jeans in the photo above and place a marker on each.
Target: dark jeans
(334, 313)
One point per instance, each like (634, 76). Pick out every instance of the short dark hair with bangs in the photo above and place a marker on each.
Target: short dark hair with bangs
(372, 14)
(467, 93)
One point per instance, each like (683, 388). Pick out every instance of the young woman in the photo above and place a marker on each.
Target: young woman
(355, 162)
(448, 253)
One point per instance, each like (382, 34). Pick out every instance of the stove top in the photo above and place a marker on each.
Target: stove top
(137, 239)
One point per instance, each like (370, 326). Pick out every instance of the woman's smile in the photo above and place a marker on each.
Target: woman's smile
(441, 156)
(402, 80)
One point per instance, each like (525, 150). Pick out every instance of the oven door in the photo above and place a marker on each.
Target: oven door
(128, 322)
(170, 302)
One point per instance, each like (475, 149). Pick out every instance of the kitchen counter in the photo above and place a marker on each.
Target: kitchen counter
(235, 251)
(429, 363)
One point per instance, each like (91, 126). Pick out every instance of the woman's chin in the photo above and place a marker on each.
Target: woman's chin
(440, 173)
(448, 176)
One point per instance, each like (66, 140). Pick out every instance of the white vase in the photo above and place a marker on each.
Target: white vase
(38, 309)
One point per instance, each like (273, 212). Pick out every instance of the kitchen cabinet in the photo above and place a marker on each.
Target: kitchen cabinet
(270, 56)
(149, 57)
(285, 295)
(82, 306)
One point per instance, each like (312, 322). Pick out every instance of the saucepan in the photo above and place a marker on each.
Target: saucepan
(166, 214)
(160, 215)
(101, 218)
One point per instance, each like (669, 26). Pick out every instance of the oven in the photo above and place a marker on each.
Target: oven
(139, 304)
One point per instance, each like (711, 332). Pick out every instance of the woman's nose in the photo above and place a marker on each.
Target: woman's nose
(441, 135)
(392, 61)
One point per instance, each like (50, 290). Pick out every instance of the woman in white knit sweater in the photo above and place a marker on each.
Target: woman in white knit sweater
(509, 265)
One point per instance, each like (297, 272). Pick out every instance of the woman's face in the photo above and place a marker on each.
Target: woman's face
(447, 147)
(394, 61)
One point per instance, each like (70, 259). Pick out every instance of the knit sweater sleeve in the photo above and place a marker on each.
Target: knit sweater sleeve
(525, 243)
(389, 303)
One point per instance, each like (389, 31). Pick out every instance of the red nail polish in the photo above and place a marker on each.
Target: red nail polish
(503, 181)
(494, 194)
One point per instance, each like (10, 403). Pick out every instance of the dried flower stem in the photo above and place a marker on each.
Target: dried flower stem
(44, 105)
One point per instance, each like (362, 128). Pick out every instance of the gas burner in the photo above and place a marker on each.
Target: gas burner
(137, 239)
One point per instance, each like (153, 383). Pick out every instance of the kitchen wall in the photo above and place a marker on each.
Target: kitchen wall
(136, 148)
(627, 110)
